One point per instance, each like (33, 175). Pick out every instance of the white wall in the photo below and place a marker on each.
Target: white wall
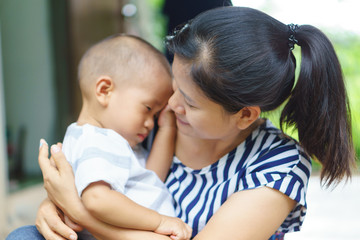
(3, 154)
(28, 74)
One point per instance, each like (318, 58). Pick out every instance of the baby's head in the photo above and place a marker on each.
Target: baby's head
(125, 82)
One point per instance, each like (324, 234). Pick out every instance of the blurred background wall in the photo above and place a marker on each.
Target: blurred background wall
(42, 42)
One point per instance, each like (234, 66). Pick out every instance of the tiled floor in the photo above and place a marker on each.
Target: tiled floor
(22, 207)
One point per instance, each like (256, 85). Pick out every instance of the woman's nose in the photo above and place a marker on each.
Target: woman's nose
(176, 104)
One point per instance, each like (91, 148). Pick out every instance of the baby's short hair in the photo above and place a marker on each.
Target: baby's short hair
(116, 56)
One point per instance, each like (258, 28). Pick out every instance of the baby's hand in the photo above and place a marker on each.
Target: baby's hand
(174, 227)
(167, 118)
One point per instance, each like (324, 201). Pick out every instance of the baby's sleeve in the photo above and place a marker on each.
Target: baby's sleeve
(97, 165)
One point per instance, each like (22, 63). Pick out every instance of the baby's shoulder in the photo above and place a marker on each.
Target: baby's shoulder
(89, 136)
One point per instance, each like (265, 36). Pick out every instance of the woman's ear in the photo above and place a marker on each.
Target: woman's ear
(104, 88)
(247, 115)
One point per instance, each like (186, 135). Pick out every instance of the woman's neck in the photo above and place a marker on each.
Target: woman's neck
(198, 153)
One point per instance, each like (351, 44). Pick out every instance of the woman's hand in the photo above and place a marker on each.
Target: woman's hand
(74, 226)
(59, 180)
(49, 222)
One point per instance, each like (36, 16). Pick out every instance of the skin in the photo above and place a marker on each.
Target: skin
(238, 218)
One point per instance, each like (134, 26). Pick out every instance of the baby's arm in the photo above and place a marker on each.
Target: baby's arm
(162, 150)
(116, 209)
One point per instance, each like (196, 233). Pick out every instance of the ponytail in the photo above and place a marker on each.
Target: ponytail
(318, 107)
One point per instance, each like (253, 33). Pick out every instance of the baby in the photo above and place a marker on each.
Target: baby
(125, 84)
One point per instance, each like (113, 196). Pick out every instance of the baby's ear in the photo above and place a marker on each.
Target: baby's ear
(247, 116)
(103, 90)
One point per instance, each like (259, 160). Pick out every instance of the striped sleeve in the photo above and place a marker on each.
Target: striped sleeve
(281, 165)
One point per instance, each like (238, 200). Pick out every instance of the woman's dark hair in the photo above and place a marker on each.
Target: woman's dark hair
(243, 57)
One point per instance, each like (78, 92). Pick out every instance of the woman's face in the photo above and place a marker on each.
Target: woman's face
(196, 114)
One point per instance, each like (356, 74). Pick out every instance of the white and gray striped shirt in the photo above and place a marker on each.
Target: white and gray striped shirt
(98, 154)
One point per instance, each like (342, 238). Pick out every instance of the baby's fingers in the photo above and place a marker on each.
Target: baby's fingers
(167, 117)
(185, 234)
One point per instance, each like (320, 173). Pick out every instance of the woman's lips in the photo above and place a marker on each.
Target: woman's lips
(181, 121)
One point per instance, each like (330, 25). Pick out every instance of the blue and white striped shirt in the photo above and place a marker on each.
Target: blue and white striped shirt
(265, 158)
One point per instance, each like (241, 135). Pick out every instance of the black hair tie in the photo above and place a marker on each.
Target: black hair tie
(292, 31)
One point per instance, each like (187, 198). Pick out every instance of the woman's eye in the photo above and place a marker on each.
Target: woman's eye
(148, 108)
(190, 106)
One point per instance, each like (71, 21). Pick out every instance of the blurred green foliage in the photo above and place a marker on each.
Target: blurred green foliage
(159, 23)
(347, 47)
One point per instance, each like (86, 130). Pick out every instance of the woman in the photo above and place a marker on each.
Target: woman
(234, 175)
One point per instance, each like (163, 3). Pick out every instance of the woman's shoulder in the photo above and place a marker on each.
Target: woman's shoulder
(273, 159)
(269, 148)
(267, 137)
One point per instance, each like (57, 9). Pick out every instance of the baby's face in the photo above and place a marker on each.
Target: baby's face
(133, 107)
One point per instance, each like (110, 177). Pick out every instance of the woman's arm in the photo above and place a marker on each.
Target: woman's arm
(162, 150)
(59, 183)
(248, 215)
